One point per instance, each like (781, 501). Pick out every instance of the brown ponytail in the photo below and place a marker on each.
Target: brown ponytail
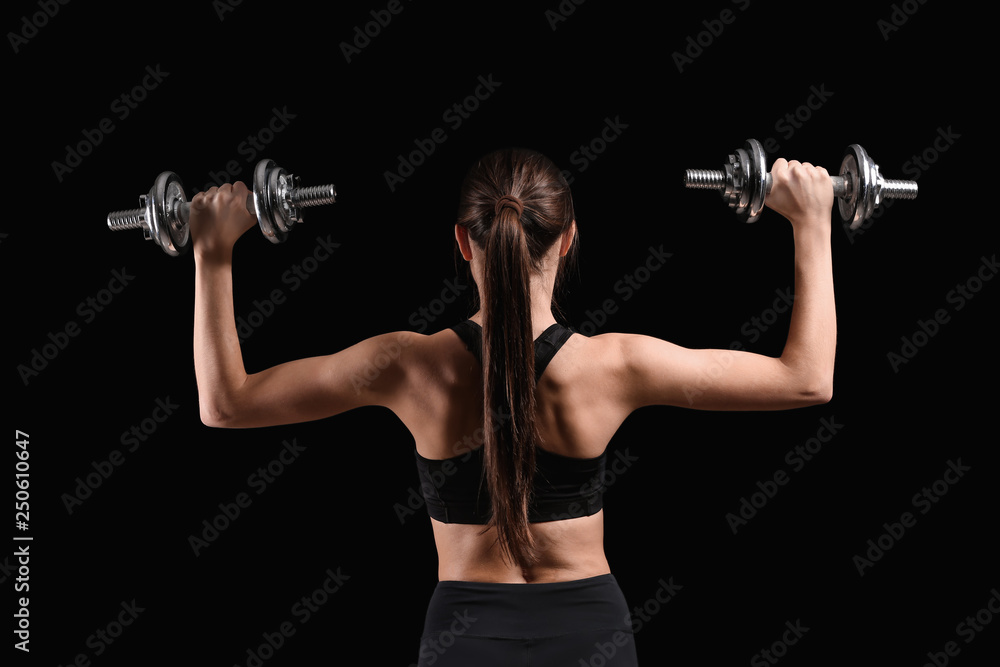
(515, 204)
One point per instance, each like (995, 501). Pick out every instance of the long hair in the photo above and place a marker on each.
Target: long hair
(515, 204)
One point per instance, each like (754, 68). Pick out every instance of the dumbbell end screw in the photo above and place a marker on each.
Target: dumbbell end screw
(898, 189)
(130, 219)
(314, 195)
(705, 179)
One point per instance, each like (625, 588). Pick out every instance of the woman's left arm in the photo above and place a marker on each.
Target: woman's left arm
(371, 372)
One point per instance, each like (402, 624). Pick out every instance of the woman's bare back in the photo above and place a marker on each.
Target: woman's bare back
(577, 414)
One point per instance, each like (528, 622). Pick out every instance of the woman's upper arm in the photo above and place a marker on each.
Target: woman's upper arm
(371, 372)
(657, 372)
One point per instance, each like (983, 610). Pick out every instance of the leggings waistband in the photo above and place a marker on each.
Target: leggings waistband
(527, 610)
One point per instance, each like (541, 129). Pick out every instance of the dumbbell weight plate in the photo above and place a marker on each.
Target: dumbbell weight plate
(861, 184)
(873, 184)
(756, 179)
(264, 204)
(165, 228)
(739, 180)
(746, 181)
(275, 215)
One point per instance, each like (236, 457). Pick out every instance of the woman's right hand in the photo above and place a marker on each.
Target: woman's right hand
(218, 218)
(801, 192)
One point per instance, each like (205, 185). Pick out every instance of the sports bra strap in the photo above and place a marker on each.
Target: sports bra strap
(546, 345)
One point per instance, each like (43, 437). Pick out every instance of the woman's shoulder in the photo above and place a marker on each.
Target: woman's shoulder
(426, 352)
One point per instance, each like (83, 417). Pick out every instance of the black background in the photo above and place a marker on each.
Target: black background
(895, 90)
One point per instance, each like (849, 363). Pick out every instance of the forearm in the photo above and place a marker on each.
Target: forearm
(218, 360)
(812, 336)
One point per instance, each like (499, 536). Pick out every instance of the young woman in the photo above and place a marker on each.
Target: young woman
(511, 412)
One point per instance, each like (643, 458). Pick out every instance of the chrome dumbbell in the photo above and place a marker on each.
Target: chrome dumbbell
(745, 182)
(277, 201)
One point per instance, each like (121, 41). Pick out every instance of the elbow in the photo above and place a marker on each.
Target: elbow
(810, 385)
(818, 393)
(221, 405)
(216, 414)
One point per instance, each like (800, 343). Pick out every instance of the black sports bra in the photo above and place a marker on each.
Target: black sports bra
(564, 487)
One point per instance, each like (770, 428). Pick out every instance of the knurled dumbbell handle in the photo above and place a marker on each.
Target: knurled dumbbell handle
(183, 209)
(315, 195)
(715, 179)
(133, 218)
(839, 185)
(891, 188)
(276, 201)
(302, 197)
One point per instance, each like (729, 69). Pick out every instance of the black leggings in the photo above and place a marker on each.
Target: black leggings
(565, 624)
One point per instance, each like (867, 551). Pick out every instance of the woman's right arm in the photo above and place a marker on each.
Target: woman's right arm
(657, 372)
(294, 391)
